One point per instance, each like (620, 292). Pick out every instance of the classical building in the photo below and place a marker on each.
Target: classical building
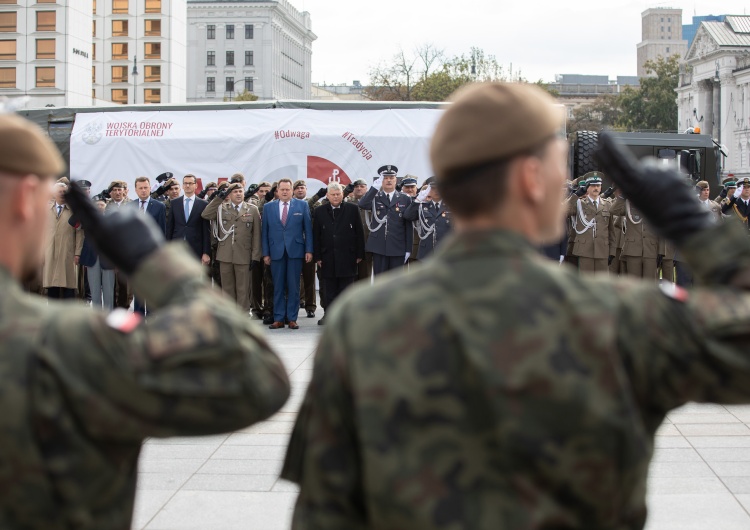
(661, 36)
(714, 91)
(262, 46)
(147, 34)
(45, 50)
(342, 92)
(689, 30)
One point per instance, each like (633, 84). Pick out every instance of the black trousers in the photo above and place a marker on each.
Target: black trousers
(334, 287)
(381, 264)
(60, 292)
(684, 274)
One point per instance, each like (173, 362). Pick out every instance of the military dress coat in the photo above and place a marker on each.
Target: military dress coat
(244, 246)
(597, 244)
(82, 389)
(640, 239)
(396, 235)
(433, 215)
(63, 245)
(468, 395)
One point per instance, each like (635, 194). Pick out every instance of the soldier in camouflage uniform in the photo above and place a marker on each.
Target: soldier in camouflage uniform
(469, 394)
(81, 389)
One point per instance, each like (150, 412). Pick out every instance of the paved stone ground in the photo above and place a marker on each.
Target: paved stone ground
(700, 476)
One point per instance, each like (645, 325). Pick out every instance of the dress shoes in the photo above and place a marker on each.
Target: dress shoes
(268, 319)
(293, 325)
(322, 321)
(311, 314)
(276, 325)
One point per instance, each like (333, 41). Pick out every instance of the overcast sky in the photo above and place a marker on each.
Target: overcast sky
(542, 38)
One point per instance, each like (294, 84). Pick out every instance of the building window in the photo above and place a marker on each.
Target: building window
(120, 95)
(230, 31)
(210, 84)
(119, 50)
(94, 11)
(249, 31)
(667, 49)
(93, 93)
(45, 76)
(8, 25)
(93, 74)
(120, 7)
(229, 84)
(7, 78)
(669, 20)
(248, 58)
(45, 20)
(211, 58)
(669, 29)
(153, 74)
(230, 58)
(45, 48)
(119, 74)
(152, 95)
(153, 28)
(93, 28)
(153, 6)
(7, 50)
(93, 52)
(46, 1)
(211, 32)
(153, 50)
(249, 84)
(119, 28)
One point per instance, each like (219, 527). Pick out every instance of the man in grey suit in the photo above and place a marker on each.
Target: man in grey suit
(391, 235)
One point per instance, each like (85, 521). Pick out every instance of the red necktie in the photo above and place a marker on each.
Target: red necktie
(285, 213)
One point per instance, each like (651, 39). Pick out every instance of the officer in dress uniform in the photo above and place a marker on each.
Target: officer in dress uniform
(595, 240)
(409, 187)
(738, 204)
(238, 241)
(431, 219)
(391, 235)
(640, 251)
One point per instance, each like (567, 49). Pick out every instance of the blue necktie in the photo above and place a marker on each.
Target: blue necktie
(187, 209)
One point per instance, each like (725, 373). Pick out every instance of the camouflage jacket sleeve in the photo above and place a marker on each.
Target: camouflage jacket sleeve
(198, 366)
(692, 345)
(323, 455)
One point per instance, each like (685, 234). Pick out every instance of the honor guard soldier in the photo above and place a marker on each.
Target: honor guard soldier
(476, 394)
(640, 251)
(729, 186)
(391, 235)
(738, 204)
(431, 219)
(237, 232)
(82, 389)
(408, 186)
(594, 240)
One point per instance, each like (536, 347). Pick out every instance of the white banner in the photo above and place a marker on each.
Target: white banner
(264, 145)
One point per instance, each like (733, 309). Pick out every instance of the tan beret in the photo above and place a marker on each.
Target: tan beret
(492, 121)
(702, 184)
(25, 149)
(116, 184)
(298, 183)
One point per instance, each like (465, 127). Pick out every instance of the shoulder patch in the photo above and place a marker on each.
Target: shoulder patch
(123, 320)
(674, 291)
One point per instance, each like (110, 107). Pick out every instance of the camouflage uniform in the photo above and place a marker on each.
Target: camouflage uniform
(508, 413)
(81, 391)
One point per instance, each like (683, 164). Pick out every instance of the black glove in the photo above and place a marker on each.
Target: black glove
(608, 192)
(609, 261)
(124, 238)
(349, 189)
(321, 193)
(222, 193)
(581, 191)
(270, 194)
(160, 191)
(251, 189)
(723, 193)
(647, 185)
(399, 186)
(202, 194)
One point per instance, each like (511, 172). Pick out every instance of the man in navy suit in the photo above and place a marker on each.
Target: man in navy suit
(153, 208)
(287, 241)
(185, 221)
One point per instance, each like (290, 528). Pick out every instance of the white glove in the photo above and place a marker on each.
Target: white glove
(406, 258)
(738, 191)
(377, 182)
(424, 193)
(562, 258)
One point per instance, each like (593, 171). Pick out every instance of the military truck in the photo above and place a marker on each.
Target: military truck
(696, 155)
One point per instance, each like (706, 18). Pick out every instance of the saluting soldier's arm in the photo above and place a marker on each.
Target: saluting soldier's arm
(572, 204)
(411, 213)
(618, 207)
(693, 345)
(198, 366)
(366, 201)
(209, 212)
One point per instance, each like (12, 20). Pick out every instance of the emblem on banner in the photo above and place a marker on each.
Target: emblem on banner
(93, 133)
